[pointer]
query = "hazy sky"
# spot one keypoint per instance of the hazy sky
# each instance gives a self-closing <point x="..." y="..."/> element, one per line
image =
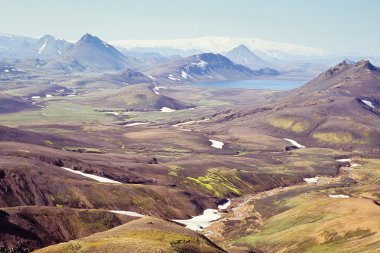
<point x="335" y="25"/>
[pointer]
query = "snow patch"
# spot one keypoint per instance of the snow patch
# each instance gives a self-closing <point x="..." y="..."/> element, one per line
<point x="190" y="122"/>
<point x="136" y="124"/>
<point x="344" y="160"/>
<point x="200" y="63"/>
<point x="184" y="74"/>
<point x="167" y="109"/>
<point x="311" y="180"/>
<point x="113" y="113"/>
<point x="157" y="88"/>
<point x="225" y="205"/>
<point x="36" y="97"/>
<point x="202" y="221"/>
<point x="42" y="48"/>
<point x="171" y="77"/>
<point x="369" y="103"/>
<point x="48" y="95"/>
<point x="294" y="143"/>
<point x="6" y="70"/>
<point x="339" y="196"/>
<point x="97" y="178"/>
<point x="129" y="213"/>
<point x="216" y="144"/>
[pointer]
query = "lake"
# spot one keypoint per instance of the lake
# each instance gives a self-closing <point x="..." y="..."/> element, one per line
<point x="254" y="84"/>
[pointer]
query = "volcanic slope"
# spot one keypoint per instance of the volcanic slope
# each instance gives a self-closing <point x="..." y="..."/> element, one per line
<point x="338" y="109"/>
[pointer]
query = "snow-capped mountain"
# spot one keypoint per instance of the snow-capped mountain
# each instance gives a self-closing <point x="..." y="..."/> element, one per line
<point x="203" y="67"/>
<point x="49" y="47"/>
<point x="263" y="48"/>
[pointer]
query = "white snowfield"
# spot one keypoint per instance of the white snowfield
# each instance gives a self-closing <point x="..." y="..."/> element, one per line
<point x="97" y="178"/>
<point x="278" y="50"/>
<point x="167" y="109"/>
<point x="369" y="103"/>
<point x="339" y="196"/>
<point x="216" y="144"/>
<point x="129" y="213"/>
<point x="294" y="143"/>
<point x="311" y="180"/>
<point x="201" y="221"/>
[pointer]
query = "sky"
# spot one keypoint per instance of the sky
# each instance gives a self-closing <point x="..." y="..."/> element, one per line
<point x="340" y="26"/>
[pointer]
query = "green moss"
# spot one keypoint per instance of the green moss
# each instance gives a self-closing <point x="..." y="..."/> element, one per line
<point x="295" y="125"/>
<point x="205" y="182"/>
<point x="175" y="150"/>
<point x="215" y="182"/>
<point x="339" y="138"/>
<point x="49" y="142"/>
<point x="174" y="170"/>
<point x="72" y="248"/>
<point x="83" y="149"/>
<point x="59" y="205"/>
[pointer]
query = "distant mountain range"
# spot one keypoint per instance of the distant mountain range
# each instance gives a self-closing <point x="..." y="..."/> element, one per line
<point x="203" y="67"/>
<point x="186" y="47"/>
<point x="93" y="54"/>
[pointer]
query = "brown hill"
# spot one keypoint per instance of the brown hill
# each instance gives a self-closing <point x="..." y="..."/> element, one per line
<point x="147" y="234"/>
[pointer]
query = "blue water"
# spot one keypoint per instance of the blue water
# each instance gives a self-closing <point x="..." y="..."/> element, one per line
<point x="255" y="84"/>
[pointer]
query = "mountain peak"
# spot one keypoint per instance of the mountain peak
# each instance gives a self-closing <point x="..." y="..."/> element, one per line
<point x="94" y="41"/>
<point x="93" y="54"/>
<point x="88" y="38"/>
<point x="47" y="37"/>
<point x="365" y="64"/>
<point x="242" y="47"/>
<point x="244" y="56"/>
<point x="336" y="69"/>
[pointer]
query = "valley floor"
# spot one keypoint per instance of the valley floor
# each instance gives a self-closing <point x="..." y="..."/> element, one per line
<point x="65" y="165"/>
